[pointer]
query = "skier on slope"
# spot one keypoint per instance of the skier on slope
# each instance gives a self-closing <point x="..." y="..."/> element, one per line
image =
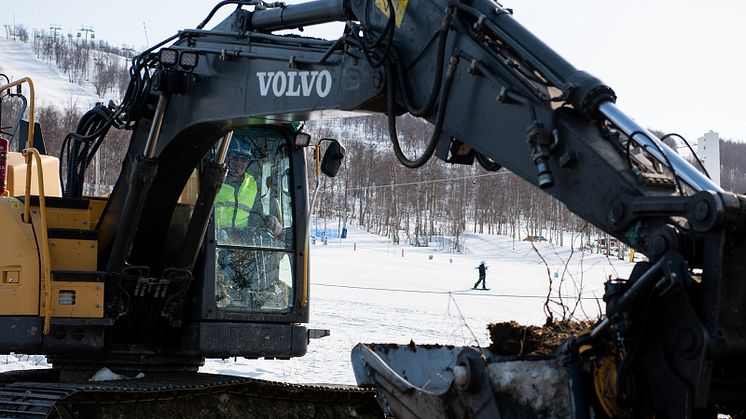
<point x="482" y="275"/>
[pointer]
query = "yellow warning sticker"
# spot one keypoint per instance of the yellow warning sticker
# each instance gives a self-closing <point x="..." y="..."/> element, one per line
<point x="399" y="7"/>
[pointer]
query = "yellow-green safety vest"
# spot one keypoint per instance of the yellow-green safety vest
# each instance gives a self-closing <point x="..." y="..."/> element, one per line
<point x="232" y="206"/>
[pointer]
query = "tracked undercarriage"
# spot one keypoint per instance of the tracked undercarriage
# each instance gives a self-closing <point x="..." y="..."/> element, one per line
<point x="40" y="394"/>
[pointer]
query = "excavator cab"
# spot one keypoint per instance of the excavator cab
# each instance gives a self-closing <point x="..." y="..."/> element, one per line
<point x="253" y="271"/>
<point x="245" y="291"/>
<point x="232" y="279"/>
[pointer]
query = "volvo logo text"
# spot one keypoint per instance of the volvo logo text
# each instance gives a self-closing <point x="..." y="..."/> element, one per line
<point x="295" y="83"/>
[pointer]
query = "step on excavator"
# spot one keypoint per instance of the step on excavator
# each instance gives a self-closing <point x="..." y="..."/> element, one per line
<point x="201" y="248"/>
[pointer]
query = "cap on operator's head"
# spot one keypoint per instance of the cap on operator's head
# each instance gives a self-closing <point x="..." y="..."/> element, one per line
<point x="239" y="147"/>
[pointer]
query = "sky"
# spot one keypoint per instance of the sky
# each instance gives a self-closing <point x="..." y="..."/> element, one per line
<point x="674" y="64"/>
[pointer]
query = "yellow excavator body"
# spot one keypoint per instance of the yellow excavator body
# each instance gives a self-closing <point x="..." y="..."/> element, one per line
<point x="19" y="262"/>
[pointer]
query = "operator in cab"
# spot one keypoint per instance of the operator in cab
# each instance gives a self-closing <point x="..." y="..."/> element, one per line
<point x="252" y="272"/>
<point x="236" y="204"/>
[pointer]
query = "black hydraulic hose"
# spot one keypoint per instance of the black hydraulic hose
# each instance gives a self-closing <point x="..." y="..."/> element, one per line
<point x="389" y="23"/>
<point x="439" y="119"/>
<point x="439" y="64"/>
<point x="386" y="29"/>
<point x="133" y="95"/>
<point x="389" y="44"/>
<point x="82" y="144"/>
<point x="140" y="81"/>
<point x="331" y="50"/>
<point x="487" y="163"/>
<point x="668" y="162"/>
<point x="137" y="93"/>
<point x="388" y="33"/>
<point x="74" y="153"/>
<point x="670" y="166"/>
<point x="217" y="7"/>
<point x="90" y="149"/>
<point x="93" y="126"/>
<point x="691" y="150"/>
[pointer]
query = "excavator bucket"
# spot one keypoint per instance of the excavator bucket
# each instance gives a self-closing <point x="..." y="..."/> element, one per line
<point x="434" y="381"/>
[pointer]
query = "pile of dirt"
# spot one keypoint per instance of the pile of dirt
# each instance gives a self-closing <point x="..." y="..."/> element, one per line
<point x="511" y="338"/>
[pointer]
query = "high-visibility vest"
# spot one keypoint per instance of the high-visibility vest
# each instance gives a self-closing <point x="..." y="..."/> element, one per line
<point x="233" y="205"/>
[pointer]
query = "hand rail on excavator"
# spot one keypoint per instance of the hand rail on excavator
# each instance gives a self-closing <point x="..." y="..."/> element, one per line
<point x="29" y="140"/>
<point x="46" y="278"/>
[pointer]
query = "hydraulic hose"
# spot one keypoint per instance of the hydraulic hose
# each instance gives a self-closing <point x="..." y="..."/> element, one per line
<point x="218" y="6"/>
<point x="437" y="130"/>
<point x="487" y="163"/>
<point x="82" y="145"/>
<point x="439" y="62"/>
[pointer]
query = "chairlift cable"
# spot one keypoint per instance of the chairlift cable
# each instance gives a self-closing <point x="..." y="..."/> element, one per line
<point x="465" y="292"/>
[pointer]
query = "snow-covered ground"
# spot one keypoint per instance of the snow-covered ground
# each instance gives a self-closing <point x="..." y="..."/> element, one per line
<point x="363" y="290"/>
<point x="17" y="60"/>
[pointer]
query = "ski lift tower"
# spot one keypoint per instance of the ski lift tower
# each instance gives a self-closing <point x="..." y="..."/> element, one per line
<point x="708" y="149"/>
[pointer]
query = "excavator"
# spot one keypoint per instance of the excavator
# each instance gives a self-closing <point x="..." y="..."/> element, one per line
<point x="145" y="282"/>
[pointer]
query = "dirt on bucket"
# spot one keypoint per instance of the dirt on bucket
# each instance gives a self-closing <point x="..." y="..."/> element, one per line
<point x="511" y="338"/>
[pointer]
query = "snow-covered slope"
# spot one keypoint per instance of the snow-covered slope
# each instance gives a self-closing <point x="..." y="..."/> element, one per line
<point x="364" y="290"/>
<point x="17" y="60"/>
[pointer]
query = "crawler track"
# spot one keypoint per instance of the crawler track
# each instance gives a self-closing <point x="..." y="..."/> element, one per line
<point x="34" y="394"/>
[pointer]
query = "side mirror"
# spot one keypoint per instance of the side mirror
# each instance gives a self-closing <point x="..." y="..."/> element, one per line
<point x="333" y="157"/>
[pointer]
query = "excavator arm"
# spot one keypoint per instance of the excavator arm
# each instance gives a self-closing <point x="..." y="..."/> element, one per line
<point x="492" y="90"/>
<point x="496" y="94"/>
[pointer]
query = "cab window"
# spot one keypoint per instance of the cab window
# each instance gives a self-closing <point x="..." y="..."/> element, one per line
<point x="254" y="225"/>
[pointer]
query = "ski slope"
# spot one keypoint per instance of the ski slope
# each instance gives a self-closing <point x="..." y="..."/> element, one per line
<point x="363" y="290"/>
<point x="52" y="87"/>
